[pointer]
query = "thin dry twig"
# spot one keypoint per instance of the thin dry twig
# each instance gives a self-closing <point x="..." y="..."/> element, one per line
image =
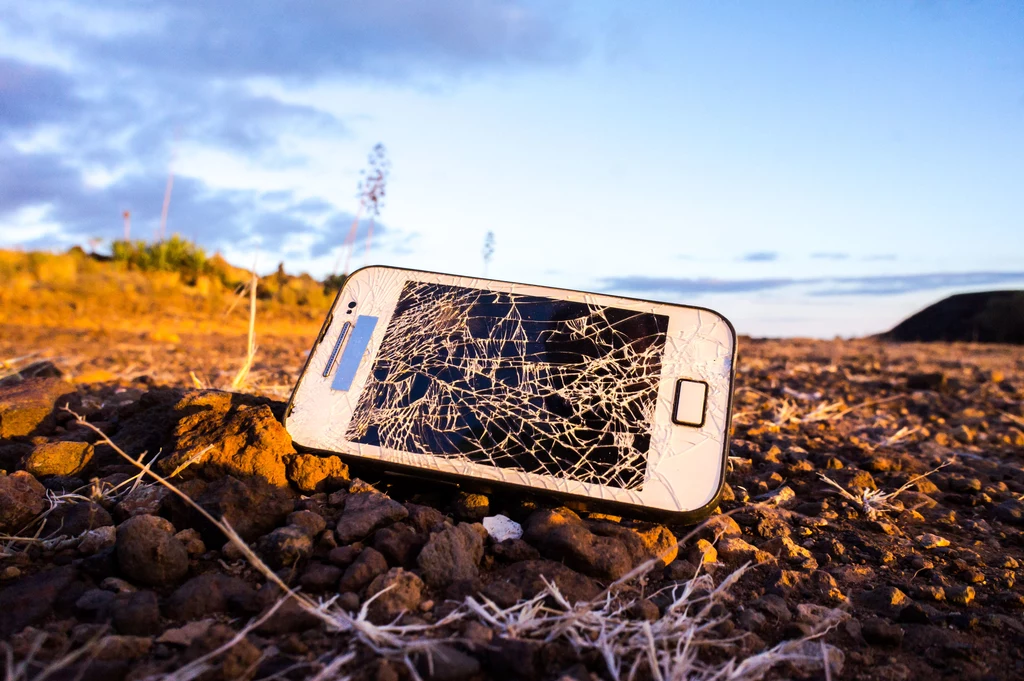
<point x="900" y="434"/>
<point x="867" y="403"/>
<point x="874" y="502"/>
<point x="96" y="492"/>
<point x="201" y="665"/>
<point x="8" y="367"/>
<point x="667" y="648"/>
<point x="69" y="655"/>
<point x="1013" y="417"/>
<point x="243" y="373"/>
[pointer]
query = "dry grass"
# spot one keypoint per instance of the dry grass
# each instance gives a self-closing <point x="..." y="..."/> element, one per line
<point x="873" y="503"/>
<point x="243" y="373"/>
<point x="781" y="411"/>
<point x="70" y="291"/>
<point x="9" y="367"/>
<point x="95" y="491"/>
<point x="203" y="664"/>
<point x="667" y="648"/>
<point x="31" y="669"/>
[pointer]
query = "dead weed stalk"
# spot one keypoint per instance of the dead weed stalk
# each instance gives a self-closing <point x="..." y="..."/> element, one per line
<point x="667" y="648"/>
<point x="874" y="502"/>
<point x="243" y="373"/>
<point x="32" y="669"/>
<point x="95" y="491"/>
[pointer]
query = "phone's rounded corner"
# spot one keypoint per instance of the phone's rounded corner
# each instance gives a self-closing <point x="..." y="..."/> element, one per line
<point x="701" y="514"/>
<point x="734" y="336"/>
<point x="732" y="330"/>
<point x="362" y="272"/>
<point x="694" y="515"/>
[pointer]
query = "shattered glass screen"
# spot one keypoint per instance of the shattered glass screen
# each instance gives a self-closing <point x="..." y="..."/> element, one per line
<point x="521" y="382"/>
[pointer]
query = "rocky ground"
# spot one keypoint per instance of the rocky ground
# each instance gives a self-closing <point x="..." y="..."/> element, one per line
<point x="107" y="574"/>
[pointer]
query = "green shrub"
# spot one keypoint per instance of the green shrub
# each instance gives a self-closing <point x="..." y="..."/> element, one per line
<point x="333" y="284"/>
<point x="171" y="255"/>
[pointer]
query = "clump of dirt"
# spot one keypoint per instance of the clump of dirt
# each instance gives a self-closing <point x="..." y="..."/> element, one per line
<point x="99" y="557"/>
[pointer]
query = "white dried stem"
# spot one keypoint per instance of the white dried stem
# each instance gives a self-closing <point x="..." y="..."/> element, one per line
<point x="874" y="502"/>
<point x="243" y="373"/>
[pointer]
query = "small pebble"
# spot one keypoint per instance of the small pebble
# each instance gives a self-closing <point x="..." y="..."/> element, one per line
<point x="931" y="541"/>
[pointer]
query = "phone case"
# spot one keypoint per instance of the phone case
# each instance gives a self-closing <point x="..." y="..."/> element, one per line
<point x="608" y="403"/>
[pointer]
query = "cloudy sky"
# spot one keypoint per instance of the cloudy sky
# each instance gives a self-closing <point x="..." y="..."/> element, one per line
<point x="806" y="168"/>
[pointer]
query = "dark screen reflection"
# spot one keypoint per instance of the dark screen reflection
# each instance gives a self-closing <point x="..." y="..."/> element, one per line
<point x="522" y="382"/>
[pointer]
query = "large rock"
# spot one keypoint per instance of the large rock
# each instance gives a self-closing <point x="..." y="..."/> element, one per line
<point x="285" y="546"/>
<point x="43" y="368"/>
<point x="529" y="575"/>
<point x="363" y="570"/>
<point x="31" y="599"/>
<point x="423" y="518"/>
<point x="312" y="473"/>
<point x="136" y="612"/>
<point x="658" y="542"/>
<point x="143" y="500"/>
<point x="735" y="552"/>
<point x="452" y="555"/>
<point x="561" y="535"/>
<point x="22" y="498"/>
<point x="400" y="544"/>
<point x="887" y="600"/>
<point x="74" y="519"/>
<point x="59" y="458"/>
<point x="1011" y="512"/>
<point x="120" y="647"/>
<point x="27" y="408"/>
<point x="402" y="593"/>
<point x="253" y="507"/>
<point x="209" y="594"/>
<point x="641" y="544"/>
<point x="146" y="424"/>
<point x="149" y="553"/>
<point x="319" y="577"/>
<point x="364" y="513"/>
<point x="309" y="522"/>
<point x="228" y="434"/>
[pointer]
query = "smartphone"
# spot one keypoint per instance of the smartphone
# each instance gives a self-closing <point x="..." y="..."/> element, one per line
<point x="609" y="403"/>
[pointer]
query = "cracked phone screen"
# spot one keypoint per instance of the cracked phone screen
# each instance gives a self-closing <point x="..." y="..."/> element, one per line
<point x="520" y="382"/>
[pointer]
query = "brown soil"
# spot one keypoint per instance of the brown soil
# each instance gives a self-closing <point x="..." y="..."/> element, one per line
<point x="924" y="583"/>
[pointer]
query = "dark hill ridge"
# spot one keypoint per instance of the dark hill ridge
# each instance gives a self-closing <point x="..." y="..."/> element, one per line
<point x="985" y="317"/>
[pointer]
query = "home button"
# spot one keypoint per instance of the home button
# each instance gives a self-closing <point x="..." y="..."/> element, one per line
<point x="690" y="402"/>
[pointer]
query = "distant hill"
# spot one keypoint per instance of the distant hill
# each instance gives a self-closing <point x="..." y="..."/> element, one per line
<point x="987" y="317"/>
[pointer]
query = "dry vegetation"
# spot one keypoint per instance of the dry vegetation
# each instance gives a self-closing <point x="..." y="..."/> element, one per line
<point x="77" y="291"/>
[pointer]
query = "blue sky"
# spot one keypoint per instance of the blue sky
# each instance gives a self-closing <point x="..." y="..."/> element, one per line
<point x="806" y="168"/>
